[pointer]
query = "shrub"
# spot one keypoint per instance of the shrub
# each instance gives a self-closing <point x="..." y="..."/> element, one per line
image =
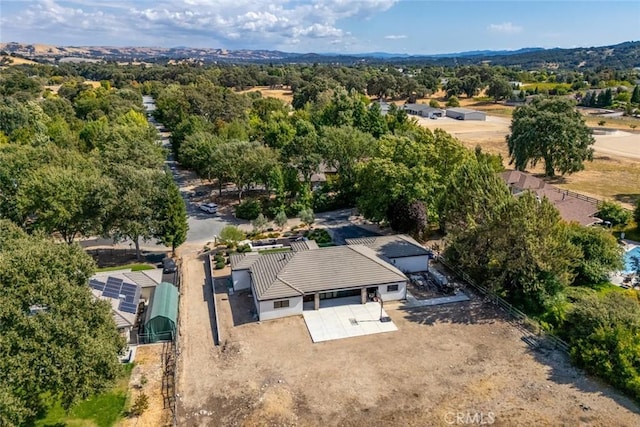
<point x="249" y="209"/>
<point x="231" y="233"/>
<point x="140" y="405"/>
<point x="219" y="265"/>
<point x="614" y="212"/>
<point x="319" y="235"/>
<point x="260" y="223"/>
<point x="453" y="102"/>
<point x="294" y="208"/>
<point x="243" y="248"/>
<point x="433" y="103"/>
<point x="306" y="216"/>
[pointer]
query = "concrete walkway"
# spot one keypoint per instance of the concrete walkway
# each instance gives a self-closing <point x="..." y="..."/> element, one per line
<point x="413" y="302"/>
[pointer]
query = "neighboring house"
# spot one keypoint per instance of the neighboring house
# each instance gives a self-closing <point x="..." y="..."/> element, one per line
<point x="572" y="206"/>
<point x="423" y="110"/>
<point x="402" y="251"/>
<point x="282" y="282"/>
<point x="384" y="106"/>
<point x="319" y="178"/>
<point x="466" y="114"/>
<point x="125" y="290"/>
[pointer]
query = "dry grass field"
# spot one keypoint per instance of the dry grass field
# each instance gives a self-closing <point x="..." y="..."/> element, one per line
<point x="614" y="174"/>
<point x="462" y="359"/>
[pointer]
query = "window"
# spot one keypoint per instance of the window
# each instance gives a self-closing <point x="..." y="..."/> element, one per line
<point x="392" y="288"/>
<point x="281" y="304"/>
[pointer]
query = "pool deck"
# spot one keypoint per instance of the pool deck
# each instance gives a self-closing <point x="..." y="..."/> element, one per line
<point x="618" y="278"/>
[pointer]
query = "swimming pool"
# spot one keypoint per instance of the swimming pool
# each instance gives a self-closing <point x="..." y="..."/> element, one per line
<point x="628" y="259"/>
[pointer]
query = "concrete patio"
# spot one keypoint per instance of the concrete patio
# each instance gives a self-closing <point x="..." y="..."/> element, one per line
<point x="339" y="318"/>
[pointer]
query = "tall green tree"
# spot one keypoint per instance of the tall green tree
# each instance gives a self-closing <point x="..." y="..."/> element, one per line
<point x="499" y="89"/>
<point x="132" y="211"/>
<point x="474" y="195"/>
<point x="524" y="254"/>
<point x="171" y="221"/>
<point x="553" y="131"/>
<point x="55" y="337"/>
<point x="70" y="200"/>
<point x="600" y="254"/>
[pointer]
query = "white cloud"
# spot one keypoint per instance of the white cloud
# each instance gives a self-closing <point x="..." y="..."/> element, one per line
<point x="505" y="28"/>
<point x="395" y="37"/>
<point x="215" y="23"/>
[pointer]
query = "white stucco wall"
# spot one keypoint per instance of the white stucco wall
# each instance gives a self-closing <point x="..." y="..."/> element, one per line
<point x="411" y="264"/>
<point x="401" y="293"/>
<point x="267" y="312"/>
<point x="241" y="279"/>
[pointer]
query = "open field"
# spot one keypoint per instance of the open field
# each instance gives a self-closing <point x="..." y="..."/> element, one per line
<point x="613" y="174"/>
<point x="14" y="60"/>
<point x="463" y="358"/>
<point x="284" y="94"/>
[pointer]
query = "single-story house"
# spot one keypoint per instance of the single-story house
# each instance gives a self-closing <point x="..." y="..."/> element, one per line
<point x="162" y="314"/>
<point x="402" y="251"/>
<point x="466" y="114"/>
<point x="320" y="177"/>
<point x="572" y="207"/>
<point x="423" y="110"/>
<point x="124" y="297"/>
<point x="281" y="283"/>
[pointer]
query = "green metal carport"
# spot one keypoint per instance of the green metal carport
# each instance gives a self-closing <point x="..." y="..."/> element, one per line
<point x="161" y="321"/>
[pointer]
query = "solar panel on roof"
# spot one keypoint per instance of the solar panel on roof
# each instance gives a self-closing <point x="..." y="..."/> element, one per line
<point x="130" y="299"/>
<point x="114" y="280"/>
<point x="128" y="307"/>
<point x="128" y="289"/>
<point x="96" y="284"/>
<point x="111" y="293"/>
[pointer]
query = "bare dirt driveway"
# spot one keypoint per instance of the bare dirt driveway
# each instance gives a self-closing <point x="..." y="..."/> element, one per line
<point x="449" y="365"/>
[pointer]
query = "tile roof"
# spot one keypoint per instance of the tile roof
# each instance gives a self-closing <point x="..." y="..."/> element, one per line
<point x="570" y="206"/>
<point x="396" y="246"/>
<point x="243" y="261"/>
<point x="287" y="274"/>
<point x="304" y="245"/>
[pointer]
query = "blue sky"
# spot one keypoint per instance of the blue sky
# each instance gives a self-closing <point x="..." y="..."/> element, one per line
<point x="345" y="26"/>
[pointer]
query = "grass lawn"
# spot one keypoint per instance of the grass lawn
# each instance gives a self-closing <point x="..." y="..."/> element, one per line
<point x="133" y="267"/>
<point x="631" y="232"/>
<point x="102" y="410"/>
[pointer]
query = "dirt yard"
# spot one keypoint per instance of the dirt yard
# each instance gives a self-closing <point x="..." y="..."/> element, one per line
<point x="444" y="364"/>
<point x="147" y="378"/>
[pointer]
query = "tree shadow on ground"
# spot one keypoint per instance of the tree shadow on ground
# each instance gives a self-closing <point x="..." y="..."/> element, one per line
<point x="114" y="257"/>
<point x="631" y="198"/>
<point x="474" y="311"/>
<point x="564" y="373"/>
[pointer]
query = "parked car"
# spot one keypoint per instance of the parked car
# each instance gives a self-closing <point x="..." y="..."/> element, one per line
<point x="211" y="208"/>
<point x="169" y="265"/>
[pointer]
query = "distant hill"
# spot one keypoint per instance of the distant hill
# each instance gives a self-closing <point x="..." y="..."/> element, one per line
<point x="620" y="56"/>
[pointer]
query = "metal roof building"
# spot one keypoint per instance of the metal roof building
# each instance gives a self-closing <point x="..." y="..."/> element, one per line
<point x="466" y="114"/>
<point x="162" y="314"/>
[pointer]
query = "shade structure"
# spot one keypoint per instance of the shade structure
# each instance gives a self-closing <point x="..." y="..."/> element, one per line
<point x="161" y="322"/>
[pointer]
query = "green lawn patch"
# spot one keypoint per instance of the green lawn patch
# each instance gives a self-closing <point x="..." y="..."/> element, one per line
<point x="133" y="267"/>
<point x="274" y="250"/>
<point x="631" y="232"/>
<point x="102" y="410"/>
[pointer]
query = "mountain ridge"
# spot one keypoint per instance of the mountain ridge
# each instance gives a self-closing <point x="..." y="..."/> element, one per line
<point x="622" y="55"/>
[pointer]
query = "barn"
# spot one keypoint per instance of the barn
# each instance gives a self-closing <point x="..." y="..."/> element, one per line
<point x="466" y="114"/>
<point x="423" y="110"/>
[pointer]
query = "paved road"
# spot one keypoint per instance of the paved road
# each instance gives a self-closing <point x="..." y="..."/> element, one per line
<point x="340" y="226"/>
<point x="202" y="226"/>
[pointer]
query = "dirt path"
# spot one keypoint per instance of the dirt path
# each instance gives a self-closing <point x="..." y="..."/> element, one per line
<point x="197" y="349"/>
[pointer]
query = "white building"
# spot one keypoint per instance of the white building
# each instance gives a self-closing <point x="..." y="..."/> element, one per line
<point x="402" y="251"/>
<point x="282" y="282"/>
